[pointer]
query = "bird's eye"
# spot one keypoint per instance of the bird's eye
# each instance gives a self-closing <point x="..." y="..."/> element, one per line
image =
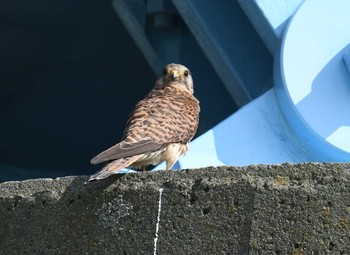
<point x="165" y="71"/>
<point x="186" y="73"/>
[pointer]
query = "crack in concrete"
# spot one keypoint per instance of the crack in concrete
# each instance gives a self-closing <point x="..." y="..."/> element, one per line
<point x="158" y="220"/>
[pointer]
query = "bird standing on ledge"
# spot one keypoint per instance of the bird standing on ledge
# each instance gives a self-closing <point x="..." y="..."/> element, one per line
<point x="160" y="127"/>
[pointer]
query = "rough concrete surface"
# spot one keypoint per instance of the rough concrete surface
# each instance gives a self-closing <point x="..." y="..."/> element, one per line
<point x="260" y="209"/>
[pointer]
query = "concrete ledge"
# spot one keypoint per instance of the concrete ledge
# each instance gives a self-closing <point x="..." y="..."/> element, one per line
<point x="261" y="209"/>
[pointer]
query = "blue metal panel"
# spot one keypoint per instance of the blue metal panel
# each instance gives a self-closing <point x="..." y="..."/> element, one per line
<point x="312" y="81"/>
<point x="270" y="18"/>
<point x="221" y="30"/>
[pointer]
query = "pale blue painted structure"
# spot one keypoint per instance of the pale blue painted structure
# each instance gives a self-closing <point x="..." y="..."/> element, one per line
<point x="312" y="85"/>
<point x="304" y="117"/>
<point x="312" y="81"/>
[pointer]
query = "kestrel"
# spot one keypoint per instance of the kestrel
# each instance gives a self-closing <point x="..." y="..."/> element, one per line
<point x="160" y="127"/>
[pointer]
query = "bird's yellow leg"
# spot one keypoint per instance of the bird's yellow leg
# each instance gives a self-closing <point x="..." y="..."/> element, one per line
<point x="144" y="169"/>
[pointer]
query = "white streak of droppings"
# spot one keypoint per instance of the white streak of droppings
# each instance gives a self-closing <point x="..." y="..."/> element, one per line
<point x="158" y="220"/>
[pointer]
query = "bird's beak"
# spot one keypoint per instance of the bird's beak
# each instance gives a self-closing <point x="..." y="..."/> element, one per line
<point x="174" y="75"/>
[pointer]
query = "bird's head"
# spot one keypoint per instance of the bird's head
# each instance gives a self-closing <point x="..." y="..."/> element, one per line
<point x="177" y="76"/>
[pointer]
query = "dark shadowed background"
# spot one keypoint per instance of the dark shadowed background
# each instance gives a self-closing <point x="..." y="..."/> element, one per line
<point x="69" y="76"/>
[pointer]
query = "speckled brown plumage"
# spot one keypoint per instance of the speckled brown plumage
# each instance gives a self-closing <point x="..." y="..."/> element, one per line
<point x="160" y="127"/>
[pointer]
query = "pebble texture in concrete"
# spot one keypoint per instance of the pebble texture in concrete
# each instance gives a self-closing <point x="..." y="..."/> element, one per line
<point x="260" y="209"/>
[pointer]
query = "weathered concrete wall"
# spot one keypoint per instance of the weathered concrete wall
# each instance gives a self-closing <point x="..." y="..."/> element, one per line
<point x="284" y="209"/>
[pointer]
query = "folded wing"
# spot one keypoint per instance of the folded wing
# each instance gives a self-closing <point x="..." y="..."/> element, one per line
<point x="123" y="150"/>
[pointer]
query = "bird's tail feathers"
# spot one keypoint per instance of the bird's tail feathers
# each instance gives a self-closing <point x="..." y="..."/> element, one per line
<point x="114" y="167"/>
